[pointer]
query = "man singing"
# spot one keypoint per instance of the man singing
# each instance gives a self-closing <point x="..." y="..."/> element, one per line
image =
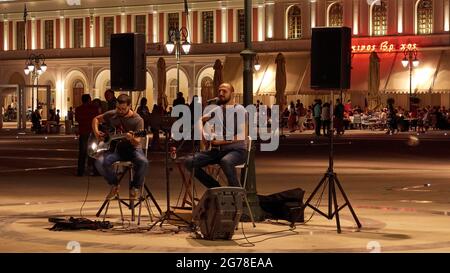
<point x="230" y="151"/>
<point x="123" y="120"/>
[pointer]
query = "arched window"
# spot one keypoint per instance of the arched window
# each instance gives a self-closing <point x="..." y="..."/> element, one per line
<point x="294" y="22"/>
<point x="424" y="17"/>
<point x="78" y="84"/>
<point x="336" y="15"/>
<point x="379" y="18"/>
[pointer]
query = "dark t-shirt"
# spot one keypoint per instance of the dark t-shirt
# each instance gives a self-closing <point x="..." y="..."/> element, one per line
<point x="123" y="124"/>
<point x="84" y="114"/>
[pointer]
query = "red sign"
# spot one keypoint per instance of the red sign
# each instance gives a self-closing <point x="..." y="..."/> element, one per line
<point x="382" y="47"/>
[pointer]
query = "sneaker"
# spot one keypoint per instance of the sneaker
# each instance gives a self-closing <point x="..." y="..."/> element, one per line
<point x="113" y="192"/>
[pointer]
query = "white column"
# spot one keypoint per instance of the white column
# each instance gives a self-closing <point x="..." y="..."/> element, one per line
<point x="199" y="27"/>
<point x="313" y="14"/>
<point x="355" y="17"/>
<point x="123" y="23"/>
<point x="84" y="34"/>
<point x="261" y="18"/>
<point x="269" y="20"/>
<point x="447" y="15"/>
<point x="235" y="25"/>
<point x="400" y="16"/>
<point x="6" y="35"/>
<point x="224" y="25"/>
<point x="14" y="46"/>
<point x="155" y="27"/>
<point x="92" y="32"/>
<point x="214" y="27"/>
<point x="190" y="26"/>
<point x="164" y="27"/>
<point x="62" y="25"/>
<point x="33" y="33"/>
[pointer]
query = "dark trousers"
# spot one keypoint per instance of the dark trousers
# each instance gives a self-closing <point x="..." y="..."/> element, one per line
<point x="227" y="160"/>
<point x="326" y="124"/>
<point x="317" y="125"/>
<point x="140" y="166"/>
<point x="82" y="154"/>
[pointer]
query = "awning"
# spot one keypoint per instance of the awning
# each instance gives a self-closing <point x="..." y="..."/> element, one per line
<point x="432" y="75"/>
<point x="264" y="79"/>
<point x="232" y="72"/>
<point x="423" y="76"/>
<point x="442" y="81"/>
<point x="297" y="65"/>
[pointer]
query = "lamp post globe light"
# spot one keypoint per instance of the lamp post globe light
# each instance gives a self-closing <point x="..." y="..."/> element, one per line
<point x="35" y="66"/>
<point x="410" y="61"/>
<point x="178" y="42"/>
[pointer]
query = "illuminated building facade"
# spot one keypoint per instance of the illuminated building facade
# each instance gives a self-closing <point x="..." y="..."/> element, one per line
<point x="75" y="40"/>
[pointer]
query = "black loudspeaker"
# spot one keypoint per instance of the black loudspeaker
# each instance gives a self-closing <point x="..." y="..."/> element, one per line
<point x="331" y="58"/>
<point x="128" y="62"/>
<point x="218" y="212"/>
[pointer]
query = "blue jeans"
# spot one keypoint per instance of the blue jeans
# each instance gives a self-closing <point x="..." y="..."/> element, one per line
<point x="140" y="162"/>
<point x="227" y="159"/>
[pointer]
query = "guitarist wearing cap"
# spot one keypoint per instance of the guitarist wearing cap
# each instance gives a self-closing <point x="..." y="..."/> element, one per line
<point x="124" y="120"/>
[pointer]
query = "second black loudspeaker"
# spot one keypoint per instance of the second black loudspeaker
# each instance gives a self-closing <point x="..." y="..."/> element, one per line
<point x="128" y="69"/>
<point x="331" y="58"/>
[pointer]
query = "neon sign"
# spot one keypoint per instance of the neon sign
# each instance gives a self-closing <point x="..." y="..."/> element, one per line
<point x="382" y="47"/>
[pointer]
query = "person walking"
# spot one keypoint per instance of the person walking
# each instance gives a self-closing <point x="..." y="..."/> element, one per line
<point x="144" y="112"/>
<point x="292" y="120"/>
<point x="326" y="119"/>
<point x="70" y="115"/>
<point x="84" y="114"/>
<point x="317" y="114"/>
<point x="301" y="113"/>
<point x="339" y="117"/>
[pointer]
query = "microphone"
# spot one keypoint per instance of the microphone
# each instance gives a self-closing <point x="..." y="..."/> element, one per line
<point x="213" y="101"/>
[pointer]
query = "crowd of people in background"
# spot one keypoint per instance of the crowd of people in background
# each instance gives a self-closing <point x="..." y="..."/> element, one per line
<point x="345" y="116"/>
<point x="317" y="117"/>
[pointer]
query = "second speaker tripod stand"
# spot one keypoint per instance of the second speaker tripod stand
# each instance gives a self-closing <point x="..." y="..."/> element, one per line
<point x="330" y="180"/>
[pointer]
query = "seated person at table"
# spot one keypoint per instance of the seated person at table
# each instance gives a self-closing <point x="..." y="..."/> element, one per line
<point x="227" y="153"/>
<point x="124" y="120"/>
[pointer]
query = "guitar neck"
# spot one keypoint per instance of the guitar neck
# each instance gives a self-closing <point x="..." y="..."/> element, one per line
<point x="120" y="136"/>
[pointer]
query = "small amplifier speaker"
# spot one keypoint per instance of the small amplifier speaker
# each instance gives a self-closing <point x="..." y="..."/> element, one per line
<point x="331" y="58"/>
<point x="218" y="212"/>
<point x="128" y="62"/>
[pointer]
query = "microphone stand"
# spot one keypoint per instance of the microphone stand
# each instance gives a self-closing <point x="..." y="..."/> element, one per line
<point x="169" y="212"/>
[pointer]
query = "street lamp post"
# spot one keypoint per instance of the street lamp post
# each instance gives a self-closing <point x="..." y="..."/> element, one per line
<point x="178" y="42"/>
<point x="35" y="66"/>
<point x="410" y="60"/>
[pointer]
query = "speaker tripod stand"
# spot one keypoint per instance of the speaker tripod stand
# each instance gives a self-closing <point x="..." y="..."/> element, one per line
<point x="330" y="180"/>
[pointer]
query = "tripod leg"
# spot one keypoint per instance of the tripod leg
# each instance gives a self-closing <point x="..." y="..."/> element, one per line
<point x="330" y="197"/>
<point x="149" y="209"/>
<point x="106" y="211"/>
<point x="314" y="192"/>
<point x="102" y="207"/>
<point x="140" y="209"/>
<point x="348" y="203"/>
<point x="149" y="194"/>
<point x="120" y="208"/>
<point x="336" y="208"/>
